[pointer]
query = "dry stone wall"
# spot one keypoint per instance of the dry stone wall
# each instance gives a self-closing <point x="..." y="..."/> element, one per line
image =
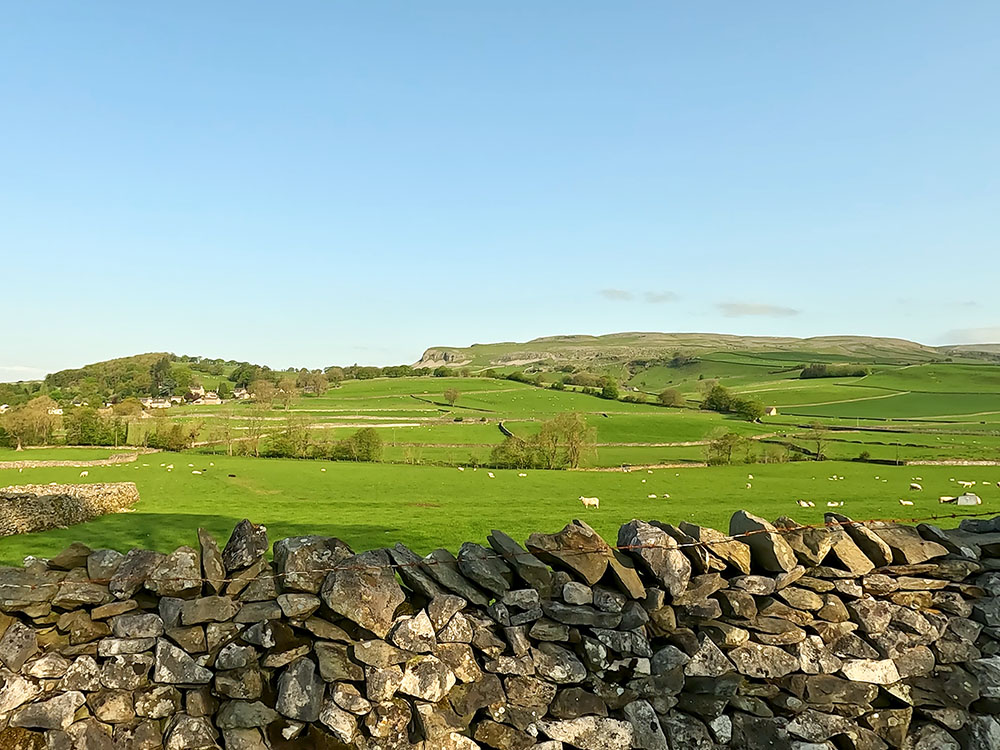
<point x="117" y="458"/>
<point x="774" y="637"/>
<point x="36" y="507"/>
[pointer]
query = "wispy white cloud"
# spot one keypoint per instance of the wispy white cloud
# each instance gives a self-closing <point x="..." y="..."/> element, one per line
<point x="748" y="309"/>
<point x="626" y="295"/>
<point x="659" y="298"/>
<point x="617" y="295"/>
<point x="985" y="335"/>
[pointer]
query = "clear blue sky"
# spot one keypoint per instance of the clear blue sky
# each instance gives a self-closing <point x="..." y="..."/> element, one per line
<point x="311" y="183"/>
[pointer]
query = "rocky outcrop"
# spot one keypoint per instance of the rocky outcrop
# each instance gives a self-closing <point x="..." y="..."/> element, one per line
<point x="864" y="636"/>
<point x="36" y="507"/>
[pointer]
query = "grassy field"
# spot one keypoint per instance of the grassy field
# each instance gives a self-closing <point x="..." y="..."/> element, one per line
<point x="424" y="506"/>
<point x="899" y="412"/>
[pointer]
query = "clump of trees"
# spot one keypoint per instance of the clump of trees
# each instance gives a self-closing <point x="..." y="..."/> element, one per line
<point x="720" y="399"/>
<point x="31" y="423"/>
<point x="295" y="440"/>
<point x="821" y="370"/>
<point x="562" y="442"/>
<point x="726" y="447"/>
<point x="173" y="436"/>
<point x="86" y="426"/>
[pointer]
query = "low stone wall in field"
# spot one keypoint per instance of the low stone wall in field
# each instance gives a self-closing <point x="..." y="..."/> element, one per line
<point x="117" y="458"/>
<point x="36" y="507"/>
<point x="851" y="636"/>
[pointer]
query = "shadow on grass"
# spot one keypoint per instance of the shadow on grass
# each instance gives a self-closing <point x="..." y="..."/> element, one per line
<point x="165" y="532"/>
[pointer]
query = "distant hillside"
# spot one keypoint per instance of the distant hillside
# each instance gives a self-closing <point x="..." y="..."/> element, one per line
<point x="618" y="348"/>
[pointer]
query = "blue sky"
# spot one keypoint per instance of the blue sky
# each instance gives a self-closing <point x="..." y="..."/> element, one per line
<point x="313" y="183"/>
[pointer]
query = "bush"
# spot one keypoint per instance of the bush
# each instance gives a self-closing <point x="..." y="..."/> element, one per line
<point x="670" y="397"/>
<point x="817" y="370"/>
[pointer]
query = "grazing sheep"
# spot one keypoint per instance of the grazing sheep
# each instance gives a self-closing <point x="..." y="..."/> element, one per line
<point x="915" y="486"/>
<point x="522" y="474"/>
<point x="802" y="503"/>
<point x="490" y="474"/>
<point x="84" y="473"/>
<point x="812" y="504"/>
<point x="649" y="471"/>
<point x="196" y="472"/>
<point x="665" y="496"/>
<point x="832" y="504"/>
<point x="749" y="476"/>
<point x="590" y="502"/>
<point x="322" y="469"/>
<point x="461" y="468"/>
<point x="651" y="497"/>
<point x="947" y="499"/>
<point x="749" y="485"/>
<point x="905" y="502"/>
<point x="232" y="475"/>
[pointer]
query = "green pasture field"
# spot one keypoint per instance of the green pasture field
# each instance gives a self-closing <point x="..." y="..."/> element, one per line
<point x="371" y="505"/>
<point x="938" y="378"/>
<point x="811" y="391"/>
<point x="907" y="405"/>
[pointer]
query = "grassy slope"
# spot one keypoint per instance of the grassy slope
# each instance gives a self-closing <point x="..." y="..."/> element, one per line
<point x="371" y="505"/>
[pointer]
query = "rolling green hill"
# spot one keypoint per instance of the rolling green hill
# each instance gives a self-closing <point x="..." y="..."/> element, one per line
<point x="619" y="348"/>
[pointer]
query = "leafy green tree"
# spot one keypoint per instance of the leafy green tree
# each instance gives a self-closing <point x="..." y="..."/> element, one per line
<point x="718" y="398"/>
<point x="441" y="372"/>
<point x="224" y="389"/>
<point x="32" y="423"/>
<point x="609" y="388"/>
<point x="725" y="448"/>
<point x="287" y="392"/>
<point x="670" y="397"/>
<point x="451" y="396"/>
<point x="263" y="392"/>
<point x="747" y="408"/>
<point x="160" y="377"/>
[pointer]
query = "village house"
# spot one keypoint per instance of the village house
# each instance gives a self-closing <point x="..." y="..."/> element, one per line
<point x="241" y="394"/>
<point x="155" y="403"/>
<point x="197" y="390"/>
<point x="177" y="399"/>
<point x="771" y="411"/>
<point x="210" y="398"/>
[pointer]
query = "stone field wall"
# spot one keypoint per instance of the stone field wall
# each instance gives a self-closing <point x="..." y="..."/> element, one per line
<point x="36" y="507"/>
<point x="849" y="636"/>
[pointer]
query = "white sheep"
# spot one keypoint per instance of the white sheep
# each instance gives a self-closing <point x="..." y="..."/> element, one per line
<point x="490" y="474"/>
<point x="651" y="497"/>
<point x="196" y="472"/>
<point x="832" y="504"/>
<point x="461" y="468"/>
<point x="749" y="485"/>
<point x="522" y="474"/>
<point x="749" y="476"/>
<point x="84" y="473"/>
<point x="802" y="503"/>
<point x="915" y="486"/>
<point x="905" y="502"/>
<point x="590" y="502"/>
